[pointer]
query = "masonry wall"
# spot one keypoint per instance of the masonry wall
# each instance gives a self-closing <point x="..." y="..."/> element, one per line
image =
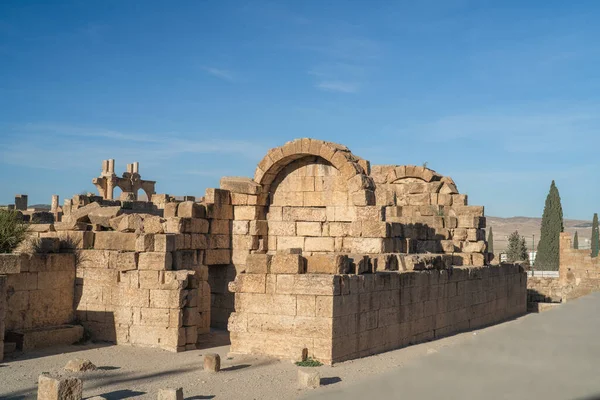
<point x="39" y="290"/>
<point x="2" y="313"/>
<point x="144" y="290"/>
<point x="579" y="273"/>
<point x="341" y="317"/>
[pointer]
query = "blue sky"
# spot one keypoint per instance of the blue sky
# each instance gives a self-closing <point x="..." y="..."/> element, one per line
<point x="501" y="95"/>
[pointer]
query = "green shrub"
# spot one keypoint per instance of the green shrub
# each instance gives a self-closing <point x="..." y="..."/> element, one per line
<point x="12" y="230"/>
<point x="309" y="363"/>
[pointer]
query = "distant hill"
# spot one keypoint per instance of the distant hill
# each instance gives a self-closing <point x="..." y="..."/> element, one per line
<point x="529" y="227"/>
<point x="44" y="206"/>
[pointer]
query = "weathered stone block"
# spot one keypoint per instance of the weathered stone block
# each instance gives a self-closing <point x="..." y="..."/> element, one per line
<point x="59" y="389"/>
<point x="324" y="244"/>
<point x="309" y="378"/>
<point x="155" y="261"/>
<point x="258" y="263"/>
<point x="287" y="264"/>
<point x="190" y="209"/>
<point x="115" y="241"/>
<point x="170" y="394"/>
<point x="327" y="264"/>
<point x="212" y="362"/>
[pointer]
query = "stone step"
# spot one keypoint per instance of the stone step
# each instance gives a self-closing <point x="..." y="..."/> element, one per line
<point x="37" y="338"/>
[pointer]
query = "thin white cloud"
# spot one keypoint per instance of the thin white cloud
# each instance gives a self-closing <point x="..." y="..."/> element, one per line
<point x="220" y="73"/>
<point x="75" y="147"/>
<point x="338" y="86"/>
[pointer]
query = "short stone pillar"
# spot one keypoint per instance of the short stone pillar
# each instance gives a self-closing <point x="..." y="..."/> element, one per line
<point x="212" y="362"/>
<point x="170" y="394"/>
<point x="309" y="378"/>
<point x="59" y="389"/>
<point x="54" y="204"/>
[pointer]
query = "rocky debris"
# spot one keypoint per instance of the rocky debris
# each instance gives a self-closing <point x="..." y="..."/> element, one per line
<point x="80" y="365"/>
<point x="102" y="216"/>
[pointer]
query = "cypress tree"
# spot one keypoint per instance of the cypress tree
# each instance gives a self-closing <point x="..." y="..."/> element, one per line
<point x="491" y="241"/>
<point x="595" y="236"/>
<point x="576" y="241"/>
<point x="552" y="225"/>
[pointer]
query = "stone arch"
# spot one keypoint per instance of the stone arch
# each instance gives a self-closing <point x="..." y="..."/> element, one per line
<point x="354" y="169"/>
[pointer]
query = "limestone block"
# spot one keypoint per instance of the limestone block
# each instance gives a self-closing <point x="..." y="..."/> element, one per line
<point x="219" y="211"/>
<point x="164" y="242"/>
<point x="190" y="209"/>
<point x="81" y="214"/>
<point x="170" y="394"/>
<point x="315" y="214"/>
<point x="197" y="225"/>
<point x="155" y="261"/>
<point x="185" y="259"/>
<point x="366" y="245"/>
<point x="341" y="214"/>
<point x="219" y="241"/>
<point x="59" y="389"/>
<point x="308" y="228"/>
<point x="258" y="263"/>
<point x="144" y="242"/>
<point x="217" y="256"/>
<point x="259" y="227"/>
<point x="102" y="215"/>
<point x="217" y="196"/>
<point x="474" y="247"/>
<point x="170" y="210"/>
<point x="212" y="362"/>
<point x="327" y="264"/>
<point x="459" y="199"/>
<point x="115" y="241"/>
<point x="130" y="223"/>
<point x="374" y="229"/>
<point x="222" y="227"/>
<point x="318" y="244"/>
<point x="282" y="228"/>
<point x="275" y="213"/>
<point x="239" y="227"/>
<point x="289" y="242"/>
<point x="198" y="241"/>
<point x="363" y="198"/>
<point x="174" y="225"/>
<point x="309" y="378"/>
<point x="478" y="259"/>
<point x="249" y="283"/>
<point x="153" y="224"/>
<point x="161" y="298"/>
<point x="287" y="264"/>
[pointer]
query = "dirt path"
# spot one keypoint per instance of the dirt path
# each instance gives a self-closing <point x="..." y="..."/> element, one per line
<point x="129" y="372"/>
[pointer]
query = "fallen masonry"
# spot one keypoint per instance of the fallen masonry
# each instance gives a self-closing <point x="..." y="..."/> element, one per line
<point x="319" y="255"/>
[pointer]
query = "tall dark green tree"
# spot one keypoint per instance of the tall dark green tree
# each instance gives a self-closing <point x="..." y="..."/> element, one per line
<point x="517" y="249"/>
<point x="576" y="241"/>
<point x="491" y="241"/>
<point x="595" y="236"/>
<point x="552" y="225"/>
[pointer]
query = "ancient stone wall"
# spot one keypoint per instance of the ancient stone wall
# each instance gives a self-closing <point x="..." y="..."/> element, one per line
<point x="39" y="290"/>
<point x="340" y="317"/>
<point x="3" y="312"/>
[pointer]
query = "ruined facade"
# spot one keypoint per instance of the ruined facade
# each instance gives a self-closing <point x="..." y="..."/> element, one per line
<point x="578" y="275"/>
<point x="318" y="251"/>
<point x="130" y="183"/>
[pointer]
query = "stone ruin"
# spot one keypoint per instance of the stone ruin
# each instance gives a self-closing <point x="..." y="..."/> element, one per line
<point x="130" y="183"/>
<point x="320" y="254"/>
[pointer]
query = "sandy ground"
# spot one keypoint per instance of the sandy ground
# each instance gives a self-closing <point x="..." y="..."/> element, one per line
<point x="129" y="372"/>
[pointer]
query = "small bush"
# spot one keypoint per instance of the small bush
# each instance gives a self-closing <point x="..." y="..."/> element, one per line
<point x="309" y="363"/>
<point x="12" y="230"/>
